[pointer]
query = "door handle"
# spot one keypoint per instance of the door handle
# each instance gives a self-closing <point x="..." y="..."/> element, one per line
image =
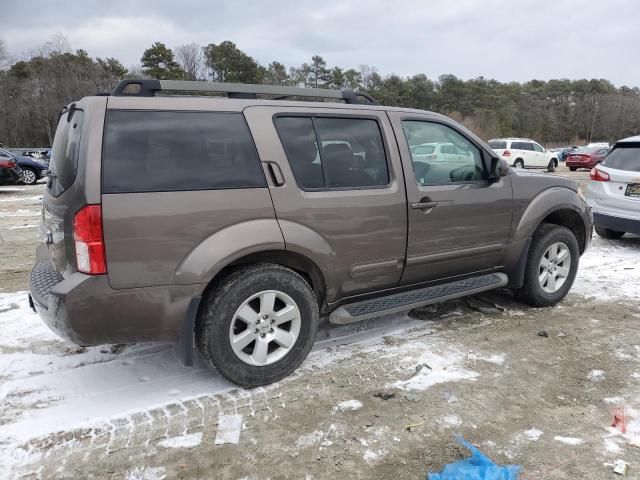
<point x="275" y="173"/>
<point x="424" y="205"/>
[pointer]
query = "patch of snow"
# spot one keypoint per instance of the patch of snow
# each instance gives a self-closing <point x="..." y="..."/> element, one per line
<point x="533" y="434"/>
<point x="146" y="473"/>
<point x="18" y="227"/>
<point x="451" y="420"/>
<point x="348" y="405"/>
<point x="604" y="273"/>
<point x="568" y="440"/>
<point x="372" y="456"/>
<point x="447" y="367"/>
<point x="613" y="400"/>
<point x="596" y="375"/>
<point x="183" y="441"/>
<point x="309" y="439"/>
<point x="611" y="446"/>
<point x="21" y="212"/>
<point x="229" y="428"/>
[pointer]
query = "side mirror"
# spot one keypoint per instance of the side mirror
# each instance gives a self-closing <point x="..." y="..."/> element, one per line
<point x="499" y="168"/>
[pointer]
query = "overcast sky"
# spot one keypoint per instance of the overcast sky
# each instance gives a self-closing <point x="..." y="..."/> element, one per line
<point x="502" y="39"/>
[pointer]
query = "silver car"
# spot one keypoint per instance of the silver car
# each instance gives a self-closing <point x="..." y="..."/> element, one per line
<point x="614" y="190"/>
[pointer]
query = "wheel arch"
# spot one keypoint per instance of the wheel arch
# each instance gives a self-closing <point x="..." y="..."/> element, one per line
<point x="297" y="262"/>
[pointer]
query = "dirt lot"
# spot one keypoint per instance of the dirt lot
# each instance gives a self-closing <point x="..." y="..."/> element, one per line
<point x="380" y="403"/>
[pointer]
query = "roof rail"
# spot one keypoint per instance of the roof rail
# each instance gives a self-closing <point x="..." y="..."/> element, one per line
<point x="148" y="88"/>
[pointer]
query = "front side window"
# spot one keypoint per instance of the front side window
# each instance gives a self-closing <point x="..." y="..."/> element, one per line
<point x="537" y="147"/>
<point x="454" y="158"/>
<point x="334" y="152"/>
<point x="155" y="151"/>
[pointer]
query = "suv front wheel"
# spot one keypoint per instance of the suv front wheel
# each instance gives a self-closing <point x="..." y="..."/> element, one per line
<point x="551" y="266"/>
<point x="258" y="325"/>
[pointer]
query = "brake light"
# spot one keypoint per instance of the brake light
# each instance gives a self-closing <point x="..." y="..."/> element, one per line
<point x="506" y="153"/>
<point x="87" y="233"/>
<point x="598" y="175"/>
<point x="8" y="164"/>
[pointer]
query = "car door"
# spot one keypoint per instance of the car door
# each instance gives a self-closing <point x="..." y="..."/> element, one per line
<point x="539" y="156"/>
<point x="459" y="221"/>
<point x="336" y="182"/>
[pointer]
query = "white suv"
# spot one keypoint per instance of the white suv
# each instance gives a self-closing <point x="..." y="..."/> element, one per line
<point x="614" y="191"/>
<point x="524" y="153"/>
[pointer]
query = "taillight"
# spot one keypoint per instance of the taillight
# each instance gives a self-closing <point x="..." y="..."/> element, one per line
<point x="506" y="153"/>
<point x="598" y="175"/>
<point x="8" y="164"/>
<point x="87" y="233"/>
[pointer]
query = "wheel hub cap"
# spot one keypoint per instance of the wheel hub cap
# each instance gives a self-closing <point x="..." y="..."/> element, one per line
<point x="554" y="268"/>
<point x="265" y="328"/>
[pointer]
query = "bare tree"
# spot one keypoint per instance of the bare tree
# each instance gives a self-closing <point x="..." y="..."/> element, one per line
<point x="4" y="56"/>
<point x="191" y="59"/>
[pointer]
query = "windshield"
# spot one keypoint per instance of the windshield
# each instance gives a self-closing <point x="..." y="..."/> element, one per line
<point x="624" y="157"/>
<point x="586" y="150"/>
<point x="6" y="153"/>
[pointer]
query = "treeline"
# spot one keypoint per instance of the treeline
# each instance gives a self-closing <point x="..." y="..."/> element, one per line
<point x="554" y="112"/>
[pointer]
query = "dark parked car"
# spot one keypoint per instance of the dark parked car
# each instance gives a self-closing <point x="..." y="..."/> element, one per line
<point x="234" y="223"/>
<point x="585" y="157"/>
<point x="32" y="169"/>
<point x="10" y="172"/>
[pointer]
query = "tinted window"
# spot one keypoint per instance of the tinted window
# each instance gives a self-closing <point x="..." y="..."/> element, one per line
<point x="456" y="159"/>
<point x="498" y="145"/>
<point x="527" y="146"/>
<point x="624" y="157"/>
<point x="537" y="147"/>
<point x="64" y="152"/>
<point x="164" y="151"/>
<point x="334" y="152"/>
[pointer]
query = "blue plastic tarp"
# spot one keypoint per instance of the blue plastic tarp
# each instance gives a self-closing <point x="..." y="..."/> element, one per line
<point x="475" y="467"/>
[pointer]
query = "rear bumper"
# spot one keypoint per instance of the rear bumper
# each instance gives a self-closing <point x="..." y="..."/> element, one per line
<point x="577" y="164"/>
<point x="618" y="224"/>
<point x="85" y="310"/>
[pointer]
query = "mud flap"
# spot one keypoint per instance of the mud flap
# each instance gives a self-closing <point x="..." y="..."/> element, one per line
<point x="185" y="347"/>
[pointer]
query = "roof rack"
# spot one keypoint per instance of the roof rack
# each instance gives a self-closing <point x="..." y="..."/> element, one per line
<point x="149" y="88"/>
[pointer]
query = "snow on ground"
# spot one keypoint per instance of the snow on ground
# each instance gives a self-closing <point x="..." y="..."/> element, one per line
<point x="610" y="269"/>
<point x="568" y="440"/>
<point x="183" y="441"/>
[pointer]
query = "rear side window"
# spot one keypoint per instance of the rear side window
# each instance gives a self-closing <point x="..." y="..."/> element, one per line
<point x="64" y="152"/>
<point x="334" y="152"/>
<point x="624" y="157"/>
<point x="498" y="145"/>
<point x="152" y="151"/>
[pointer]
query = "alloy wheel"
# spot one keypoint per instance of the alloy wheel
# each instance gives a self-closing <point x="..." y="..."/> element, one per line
<point x="554" y="268"/>
<point x="265" y="328"/>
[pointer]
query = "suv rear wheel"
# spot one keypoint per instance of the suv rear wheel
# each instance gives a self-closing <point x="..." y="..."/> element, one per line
<point x="551" y="266"/>
<point x="608" y="234"/>
<point x="519" y="163"/>
<point x="258" y="325"/>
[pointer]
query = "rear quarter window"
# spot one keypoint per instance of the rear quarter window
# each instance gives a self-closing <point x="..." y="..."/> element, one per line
<point x="156" y="151"/>
<point x="64" y="152"/>
<point x="624" y="157"/>
<point x="498" y="145"/>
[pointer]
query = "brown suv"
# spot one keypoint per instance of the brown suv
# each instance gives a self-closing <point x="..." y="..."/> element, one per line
<point x="236" y="222"/>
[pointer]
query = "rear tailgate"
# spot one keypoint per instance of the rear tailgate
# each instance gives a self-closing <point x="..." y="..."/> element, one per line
<point x="66" y="190"/>
<point x="622" y="191"/>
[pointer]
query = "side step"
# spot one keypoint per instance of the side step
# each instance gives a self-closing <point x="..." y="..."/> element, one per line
<point x="354" y="312"/>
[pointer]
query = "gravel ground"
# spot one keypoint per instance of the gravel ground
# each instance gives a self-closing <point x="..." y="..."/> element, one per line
<point x="377" y="404"/>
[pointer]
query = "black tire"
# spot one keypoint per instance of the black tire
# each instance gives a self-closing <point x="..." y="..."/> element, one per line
<point x="546" y="235"/>
<point x="519" y="163"/>
<point x="552" y="166"/>
<point x="608" y="234"/>
<point x="221" y="303"/>
<point x="573" y="169"/>
<point x="32" y="174"/>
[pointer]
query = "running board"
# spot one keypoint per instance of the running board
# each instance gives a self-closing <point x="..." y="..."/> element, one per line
<point x="354" y="312"/>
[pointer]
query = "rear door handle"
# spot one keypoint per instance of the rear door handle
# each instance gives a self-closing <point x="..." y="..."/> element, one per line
<point x="275" y="173"/>
<point x="424" y="205"/>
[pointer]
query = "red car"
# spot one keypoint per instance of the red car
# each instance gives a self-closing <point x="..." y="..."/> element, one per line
<point x="585" y="157"/>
